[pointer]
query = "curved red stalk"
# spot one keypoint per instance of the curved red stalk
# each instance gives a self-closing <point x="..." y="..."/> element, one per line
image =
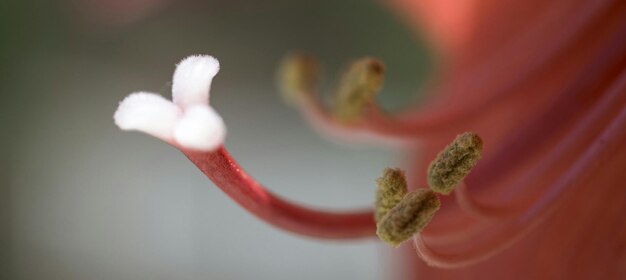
<point x="222" y="169"/>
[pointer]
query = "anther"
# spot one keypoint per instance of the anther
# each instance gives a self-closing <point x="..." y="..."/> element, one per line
<point x="408" y="217"/>
<point x="391" y="188"/>
<point x="454" y="163"/>
<point x="298" y="74"/>
<point x="357" y="89"/>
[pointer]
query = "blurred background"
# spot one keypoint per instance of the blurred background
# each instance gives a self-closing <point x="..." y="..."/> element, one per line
<point x="79" y="199"/>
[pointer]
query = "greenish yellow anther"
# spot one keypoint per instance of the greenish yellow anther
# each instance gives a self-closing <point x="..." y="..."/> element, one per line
<point x="298" y="74"/>
<point x="391" y="188"/>
<point x="408" y="217"/>
<point x="357" y="89"/>
<point x="454" y="163"/>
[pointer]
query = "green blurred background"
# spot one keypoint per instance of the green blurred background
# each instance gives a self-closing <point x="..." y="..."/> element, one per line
<point x="80" y="199"/>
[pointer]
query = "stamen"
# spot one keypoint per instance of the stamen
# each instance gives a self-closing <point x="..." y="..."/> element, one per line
<point x="392" y="187"/>
<point x="296" y="78"/>
<point x="357" y="89"/>
<point x="408" y="217"/>
<point x="298" y="74"/>
<point x="604" y="149"/>
<point x="454" y="163"/>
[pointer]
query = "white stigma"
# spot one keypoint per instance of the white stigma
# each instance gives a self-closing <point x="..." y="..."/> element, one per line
<point x="201" y="128"/>
<point x="192" y="80"/>
<point x="189" y="121"/>
<point x="149" y="113"/>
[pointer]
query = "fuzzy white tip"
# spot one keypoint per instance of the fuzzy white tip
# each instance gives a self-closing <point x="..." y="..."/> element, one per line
<point x="192" y="80"/>
<point x="149" y="113"/>
<point x="201" y="128"/>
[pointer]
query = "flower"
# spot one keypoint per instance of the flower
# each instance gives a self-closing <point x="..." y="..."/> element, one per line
<point x="546" y="95"/>
<point x="188" y="121"/>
